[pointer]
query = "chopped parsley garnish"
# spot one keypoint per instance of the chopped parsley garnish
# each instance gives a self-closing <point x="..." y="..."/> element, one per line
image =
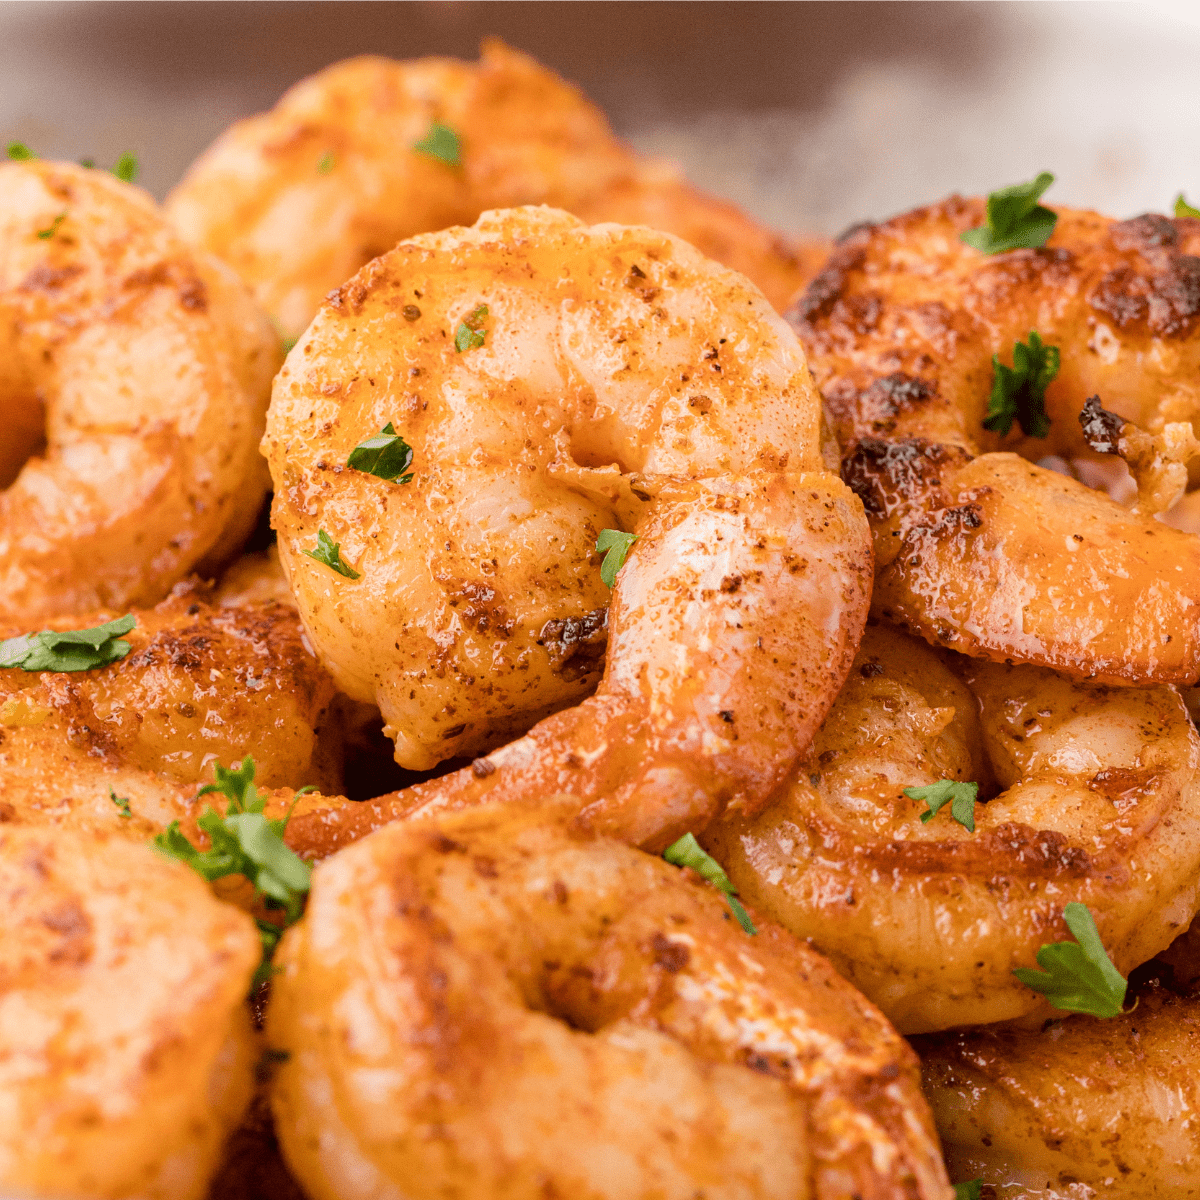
<point x="70" y="650"/>
<point x="122" y="804"/>
<point x="687" y="852"/>
<point x="46" y="234"/>
<point x="87" y="162"/>
<point x="329" y="552"/>
<point x="469" y="336"/>
<point x="1019" y="391"/>
<point x="245" y="842"/>
<point x="1015" y="219"/>
<point x="126" y="169"/>
<point x="326" y="163"/>
<point x="441" y="142"/>
<point x="969" y="1191"/>
<point x="386" y="455"/>
<point x="1077" y="976"/>
<point x="19" y="152"/>
<point x="289" y="344"/>
<point x="1184" y="209"/>
<point x="960" y="797"/>
<point x="615" y="546"/>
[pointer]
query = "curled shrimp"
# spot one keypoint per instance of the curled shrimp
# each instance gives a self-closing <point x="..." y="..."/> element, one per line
<point x="298" y="199"/>
<point x="977" y="548"/>
<point x="492" y="1003"/>
<point x="140" y="370"/>
<point x="1094" y="798"/>
<point x="622" y="381"/>
<point x="126" y="1051"/>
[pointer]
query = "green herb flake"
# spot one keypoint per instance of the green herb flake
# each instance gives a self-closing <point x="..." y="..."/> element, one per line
<point x="469" y="335"/>
<point x="386" y="455"/>
<point x="1019" y="391"/>
<point x="615" y="547"/>
<point x="329" y="552"/>
<point x="1015" y="219"/>
<point x="1184" y="209"/>
<point x="1077" y="976"/>
<point x="442" y="143"/>
<point x="46" y="234"/>
<point x="69" y="650"/>
<point x="327" y="162"/>
<point x="126" y="169"/>
<point x="122" y="804"/>
<point x="87" y="162"/>
<point x="687" y="852"/>
<point x="19" y="152"/>
<point x="289" y="344"/>
<point x="960" y="797"/>
<point x="969" y="1191"/>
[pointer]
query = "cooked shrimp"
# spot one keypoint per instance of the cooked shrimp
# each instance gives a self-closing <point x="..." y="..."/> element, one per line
<point x="141" y="370"/>
<point x="977" y="549"/>
<point x="298" y="199"/>
<point x="126" y="1050"/>
<point x="199" y="685"/>
<point x="624" y="381"/>
<point x="490" y="1004"/>
<point x="253" y="579"/>
<point x="1095" y="798"/>
<point x="1084" y="1108"/>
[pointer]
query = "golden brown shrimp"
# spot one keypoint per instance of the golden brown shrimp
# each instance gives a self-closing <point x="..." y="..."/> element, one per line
<point x="253" y="579"/>
<point x="298" y="199"/>
<point x="623" y="381"/>
<point x="1094" y="797"/>
<point x="139" y="370"/>
<point x="126" y="1051"/>
<point x="1083" y="1109"/>
<point x="976" y="548"/>
<point x="491" y="1004"/>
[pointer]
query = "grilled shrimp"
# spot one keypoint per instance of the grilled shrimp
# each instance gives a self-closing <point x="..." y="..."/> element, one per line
<point x="491" y="1004"/>
<point x="298" y="199"/>
<point x="618" y="380"/>
<point x="134" y="377"/>
<point x="126" y="1051"/>
<point x="1094" y="797"/>
<point x="978" y="549"/>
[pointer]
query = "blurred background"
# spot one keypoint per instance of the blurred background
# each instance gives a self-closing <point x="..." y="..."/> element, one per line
<point x="810" y="115"/>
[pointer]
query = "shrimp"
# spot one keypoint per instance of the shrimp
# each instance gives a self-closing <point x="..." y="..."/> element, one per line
<point x="252" y="579"/>
<point x="623" y="381"/>
<point x="126" y="1051"/>
<point x="492" y="1004"/>
<point x="298" y="199"/>
<point x="140" y="370"/>
<point x="1094" y="797"/>
<point x="978" y="549"/>
<point x="1081" y="1108"/>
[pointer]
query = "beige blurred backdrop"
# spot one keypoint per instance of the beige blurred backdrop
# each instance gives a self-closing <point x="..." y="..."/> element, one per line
<point x="811" y="115"/>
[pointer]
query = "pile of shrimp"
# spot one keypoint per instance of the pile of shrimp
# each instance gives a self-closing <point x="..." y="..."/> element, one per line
<point x="666" y="690"/>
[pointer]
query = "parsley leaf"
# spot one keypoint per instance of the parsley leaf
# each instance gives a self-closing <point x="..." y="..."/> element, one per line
<point x="19" y="152"/>
<point x="1015" y="219"/>
<point x="468" y="336"/>
<point x="329" y="552"/>
<point x="289" y="344"/>
<point x="326" y="163"/>
<point x="46" y="234"/>
<point x="122" y="804"/>
<point x="126" y="169"/>
<point x="969" y="1191"/>
<point x="441" y="142"/>
<point x="617" y="545"/>
<point x="1184" y="209"/>
<point x="960" y="797"/>
<point x="69" y="650"/>
<point x="687" y="852"/>
<point x="1077" y="976"/>
<point x="386" y="455"/>
<point x="1019" y="391"/>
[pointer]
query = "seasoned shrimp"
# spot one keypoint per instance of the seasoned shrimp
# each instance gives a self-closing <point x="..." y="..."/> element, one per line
<point x="1095" y="798"/>
<point x="138" y="371"/>
<point x="126" y="1051"/>
<point x="298" y="199"/>
<point x="492" y="1005"/>
<point x="623" y="381"/>
<point x="1083" y="1109"/>
<point x="976" y="548"/>
<point x="253" y="579"/>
